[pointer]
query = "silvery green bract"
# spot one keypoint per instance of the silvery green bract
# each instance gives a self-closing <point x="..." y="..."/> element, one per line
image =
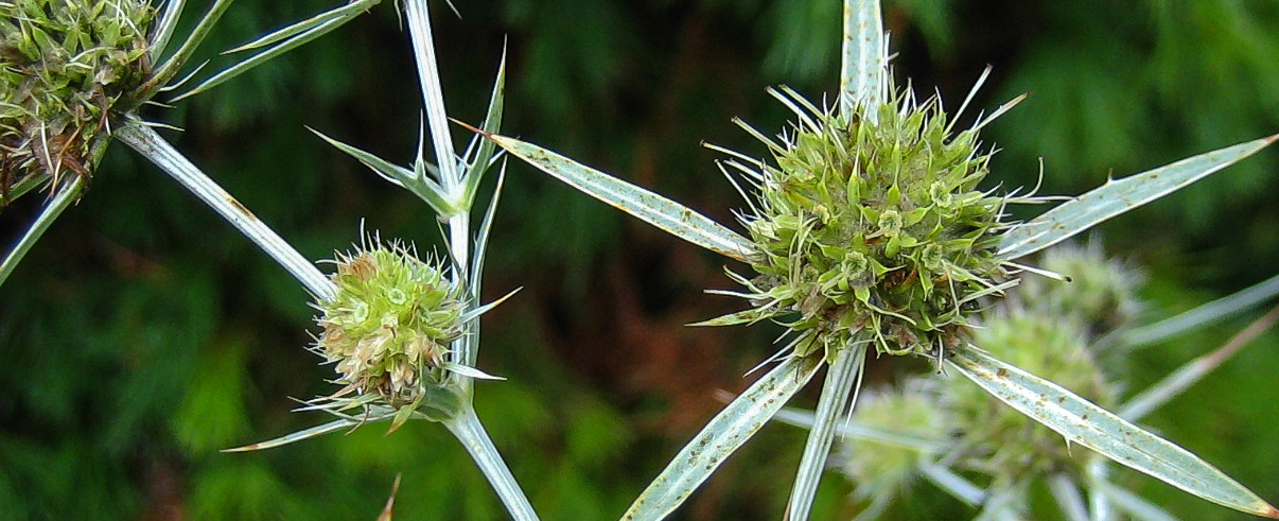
<point x="835" y="288"/>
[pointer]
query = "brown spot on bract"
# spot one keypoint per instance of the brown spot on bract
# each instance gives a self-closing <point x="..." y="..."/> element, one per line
<point x="240" y="208"/>
<point x="1002" y="373"/>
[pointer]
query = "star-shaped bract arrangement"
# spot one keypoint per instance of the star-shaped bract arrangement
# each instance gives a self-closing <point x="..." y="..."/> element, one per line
<point x="867" y="230"/>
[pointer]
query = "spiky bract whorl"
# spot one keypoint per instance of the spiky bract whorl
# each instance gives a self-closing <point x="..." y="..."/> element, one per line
<point x="870" y="228"/>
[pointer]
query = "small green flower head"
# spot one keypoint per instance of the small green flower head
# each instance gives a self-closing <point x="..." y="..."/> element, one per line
<point x="1001" y="441"/>
<point x="390" y="326"/>
<point x="66" y="66"/>
<point x="873" y="229"/>
<point x="1102" y="292"/>
<point x="912" y="422"/>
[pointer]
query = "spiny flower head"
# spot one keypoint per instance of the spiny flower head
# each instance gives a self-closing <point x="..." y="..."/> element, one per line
<point x="874" y="223"/>
<point x="1045" y="326"/>
<point x="66" y="67"/>
<point x="390" y="325"/>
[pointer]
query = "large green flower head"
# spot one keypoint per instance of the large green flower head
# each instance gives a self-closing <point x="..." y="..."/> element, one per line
<point x="875" y="225"/>
<point x="65" y="69"/>
<point x="390" y="325"/>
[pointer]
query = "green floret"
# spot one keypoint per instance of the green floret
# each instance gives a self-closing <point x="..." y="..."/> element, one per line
<point x="873" y="230"/>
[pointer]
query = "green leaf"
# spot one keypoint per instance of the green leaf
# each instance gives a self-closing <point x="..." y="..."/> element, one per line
<point x="674" y="218"/>
<point x="1209" y="313"/>
<point x="48" y="214"/>
<point x="289" y="37"/>
<point x="1118" y="196"/>
<point x="486" y="147"/>
<point x="164" y="27"/>
<point x="424" y="187"/>
<point x="863" y="74"/>
<point x="1082" y="422"/>
<point x="725" y="433"/>
<point x="469" y="344"/>
<point x="1189" y="374"/>
<point x="171" y="65"/>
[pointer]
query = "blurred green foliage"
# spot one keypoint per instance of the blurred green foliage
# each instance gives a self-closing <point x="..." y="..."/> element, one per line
<point x="143" y="334"/>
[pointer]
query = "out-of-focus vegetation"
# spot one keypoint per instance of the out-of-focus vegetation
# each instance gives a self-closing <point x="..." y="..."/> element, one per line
<point x="143" y="334"/>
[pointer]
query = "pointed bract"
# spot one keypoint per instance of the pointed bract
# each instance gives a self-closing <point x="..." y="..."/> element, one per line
<point x="1091" y="426"/>
<point x="1118" y="196"/>
<point x="731" y="428"/>
<point x="643" y="204"/>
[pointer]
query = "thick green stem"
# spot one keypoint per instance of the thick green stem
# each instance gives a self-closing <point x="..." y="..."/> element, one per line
<point x="467" y="347"/>
<point x="468" y="430"/>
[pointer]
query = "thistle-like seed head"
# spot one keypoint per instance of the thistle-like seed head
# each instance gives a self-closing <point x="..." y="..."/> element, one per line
<point x="65" y="67"/>
<point x="873" y="229"/>
<point x="390" y="325"/>
<point x="913" y="417"/>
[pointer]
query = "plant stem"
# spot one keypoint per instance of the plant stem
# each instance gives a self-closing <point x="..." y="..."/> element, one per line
<point x="459" y="245"/>
<point x="419" y="22"/>
<point x="56" y="206"/>
<point x="147" y="142"/>
<point x="843" y="375"/>
<point x="468" y="430"/>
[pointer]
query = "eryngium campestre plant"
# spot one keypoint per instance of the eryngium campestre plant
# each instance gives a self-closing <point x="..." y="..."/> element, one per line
<point x="389" y="328"/>
<point x="873" y="227"/>
<point x="66" y="68"/>
<point x="911" y="247"/>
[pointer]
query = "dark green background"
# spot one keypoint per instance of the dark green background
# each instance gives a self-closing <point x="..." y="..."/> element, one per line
<point x="142" y="334"/>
